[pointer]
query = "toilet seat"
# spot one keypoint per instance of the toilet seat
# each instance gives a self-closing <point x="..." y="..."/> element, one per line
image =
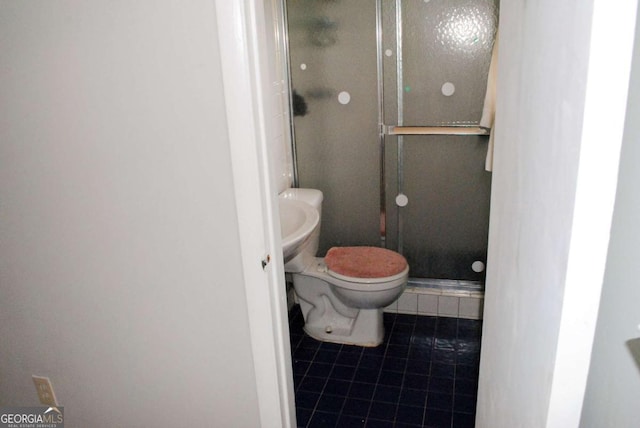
<point x="365" y="265"/>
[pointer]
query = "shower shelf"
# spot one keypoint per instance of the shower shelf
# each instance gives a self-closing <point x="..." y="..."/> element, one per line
<point x="436" y="130"/>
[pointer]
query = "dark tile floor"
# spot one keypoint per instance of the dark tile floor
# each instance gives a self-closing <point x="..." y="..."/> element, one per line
<point x="425" y="374"/>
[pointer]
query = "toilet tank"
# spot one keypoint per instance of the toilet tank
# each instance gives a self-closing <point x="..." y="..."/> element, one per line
<point x="314" y="198"/>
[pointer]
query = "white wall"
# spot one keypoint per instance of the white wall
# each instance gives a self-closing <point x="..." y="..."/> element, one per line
<point x="552" y="197"/>
<point x="614" y="376"/>
<point x="533" y="188"/>
<point x="120" y="267"/>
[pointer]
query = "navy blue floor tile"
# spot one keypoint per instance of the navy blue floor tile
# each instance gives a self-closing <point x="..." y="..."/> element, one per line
<point x="300" y="367"/>
<point x="309" y="343"/>
<point x="439" y="401"/>
<point x="343" y="372"/>
<point x="319" y="369"/>
<point x="448" y="344"/>
<point x="404" y="328"/>
<point x="304" y="354"/>
<point x="367" y="375"/>
<point x="389" y="318"/>
<point x="387" y="394"/>
<point x="307" y="399"/>
<point x="348" y="359"/>
<point x="441" y="384"/>
<point x="468" y="359"/>
<point x="337" y="387"/>
<point x="467" y="372"/>
<point x="383" y="411"/>
<point x="313" y="384"/>
<point x="420" y="340"/>
<point x="303" y="416"/>
<point x="413" y="397"/>
<point x="444" y="356"/>
<point x="443" y="370"/>
<point x="356" y="407"/>
<point x="415" y="381"/>
<point x="466" y="386"/>
<point x="390" y="378"/>
<point x="426" y="325"/>
<point x="469" y="329"/>
<point x="325" y="356"/>
<point x="351" y="349"/>
<point x="323" y="420"/>
<point x="371" y="361"/>
<point x="362" y="391"/>
<point x="330" y="403"/>
<point x="463" y="420"/>
<point x="437" y="419"/>
<point x="401" y="425"/>
<point x="410" y="415"/>
<point x="400" y="338"/>
<point x="346" y="421"/>
<point x="464" y="404"/>
<point x="406" y="319"/>
<point x="297" y="380"/>
<point x="424" y="374"/>
<point x="418" y="366"/>
<point x="446" y="328"/>
<point x="394" y="364"/>
<point x="397" y="351"/>
<point x="377" y="423"/>
<point x="328" y="346"/>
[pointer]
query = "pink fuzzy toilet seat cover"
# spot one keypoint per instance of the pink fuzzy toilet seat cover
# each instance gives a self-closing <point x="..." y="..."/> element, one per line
<point x="365" y="262"/>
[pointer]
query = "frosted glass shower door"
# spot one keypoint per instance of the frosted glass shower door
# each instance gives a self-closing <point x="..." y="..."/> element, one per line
<point x="360" y="67"/>
<point x="436" y="60"/>
<point x="446" y="221"/>
<point x="446" y="52"/>
<point x="332" y="48"/>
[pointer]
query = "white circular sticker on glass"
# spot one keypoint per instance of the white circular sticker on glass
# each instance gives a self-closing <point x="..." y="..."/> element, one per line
<point x="477" y="266"/>
<point x="448" y="89"/>
<point x="344" y="97"/>
<point x="402" y="200"/>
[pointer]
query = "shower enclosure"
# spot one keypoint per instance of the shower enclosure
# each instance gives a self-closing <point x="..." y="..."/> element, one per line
<point x="387" y="97"/>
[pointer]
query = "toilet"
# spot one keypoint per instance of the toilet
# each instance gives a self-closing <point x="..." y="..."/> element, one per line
<point x="342" y="295"/>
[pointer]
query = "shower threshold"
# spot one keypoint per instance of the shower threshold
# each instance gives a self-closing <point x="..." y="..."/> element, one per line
<point x="446" y="287"/>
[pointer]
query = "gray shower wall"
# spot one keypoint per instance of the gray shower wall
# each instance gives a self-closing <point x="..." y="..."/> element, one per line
<point x="333" y="48"/>
<point x="336" y="144"/>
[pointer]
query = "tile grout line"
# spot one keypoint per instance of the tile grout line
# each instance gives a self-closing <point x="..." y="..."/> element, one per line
<point x="353" y="379"/>
<point x="313" y="412"/>
<point x="404" y="375"/>
<point x="366" y="419"/>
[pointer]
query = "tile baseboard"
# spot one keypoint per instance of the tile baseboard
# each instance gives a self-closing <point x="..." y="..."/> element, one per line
<point x="421" y="301"/>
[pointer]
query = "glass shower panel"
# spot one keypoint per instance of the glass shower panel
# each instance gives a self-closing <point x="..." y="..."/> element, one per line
<point x="446" y="52"/>
<point x="446" y="221"/>
<point x="435" y="57"/>
<point x="333" y="72"/>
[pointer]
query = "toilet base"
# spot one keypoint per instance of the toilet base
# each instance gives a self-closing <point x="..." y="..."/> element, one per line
<point x="365" y="329"/>
<point x="334" y="310"/>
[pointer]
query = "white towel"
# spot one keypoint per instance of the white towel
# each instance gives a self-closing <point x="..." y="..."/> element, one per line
<point x="489" y="109"/>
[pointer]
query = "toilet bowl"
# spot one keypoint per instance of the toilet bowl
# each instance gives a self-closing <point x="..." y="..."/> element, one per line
<point x="342" y="295"/>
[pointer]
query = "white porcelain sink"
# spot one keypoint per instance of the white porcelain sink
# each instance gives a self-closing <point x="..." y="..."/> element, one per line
<point x="297" y="222"/>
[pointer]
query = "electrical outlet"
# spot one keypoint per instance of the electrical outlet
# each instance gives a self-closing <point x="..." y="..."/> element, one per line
<point x="45" y="390"/>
